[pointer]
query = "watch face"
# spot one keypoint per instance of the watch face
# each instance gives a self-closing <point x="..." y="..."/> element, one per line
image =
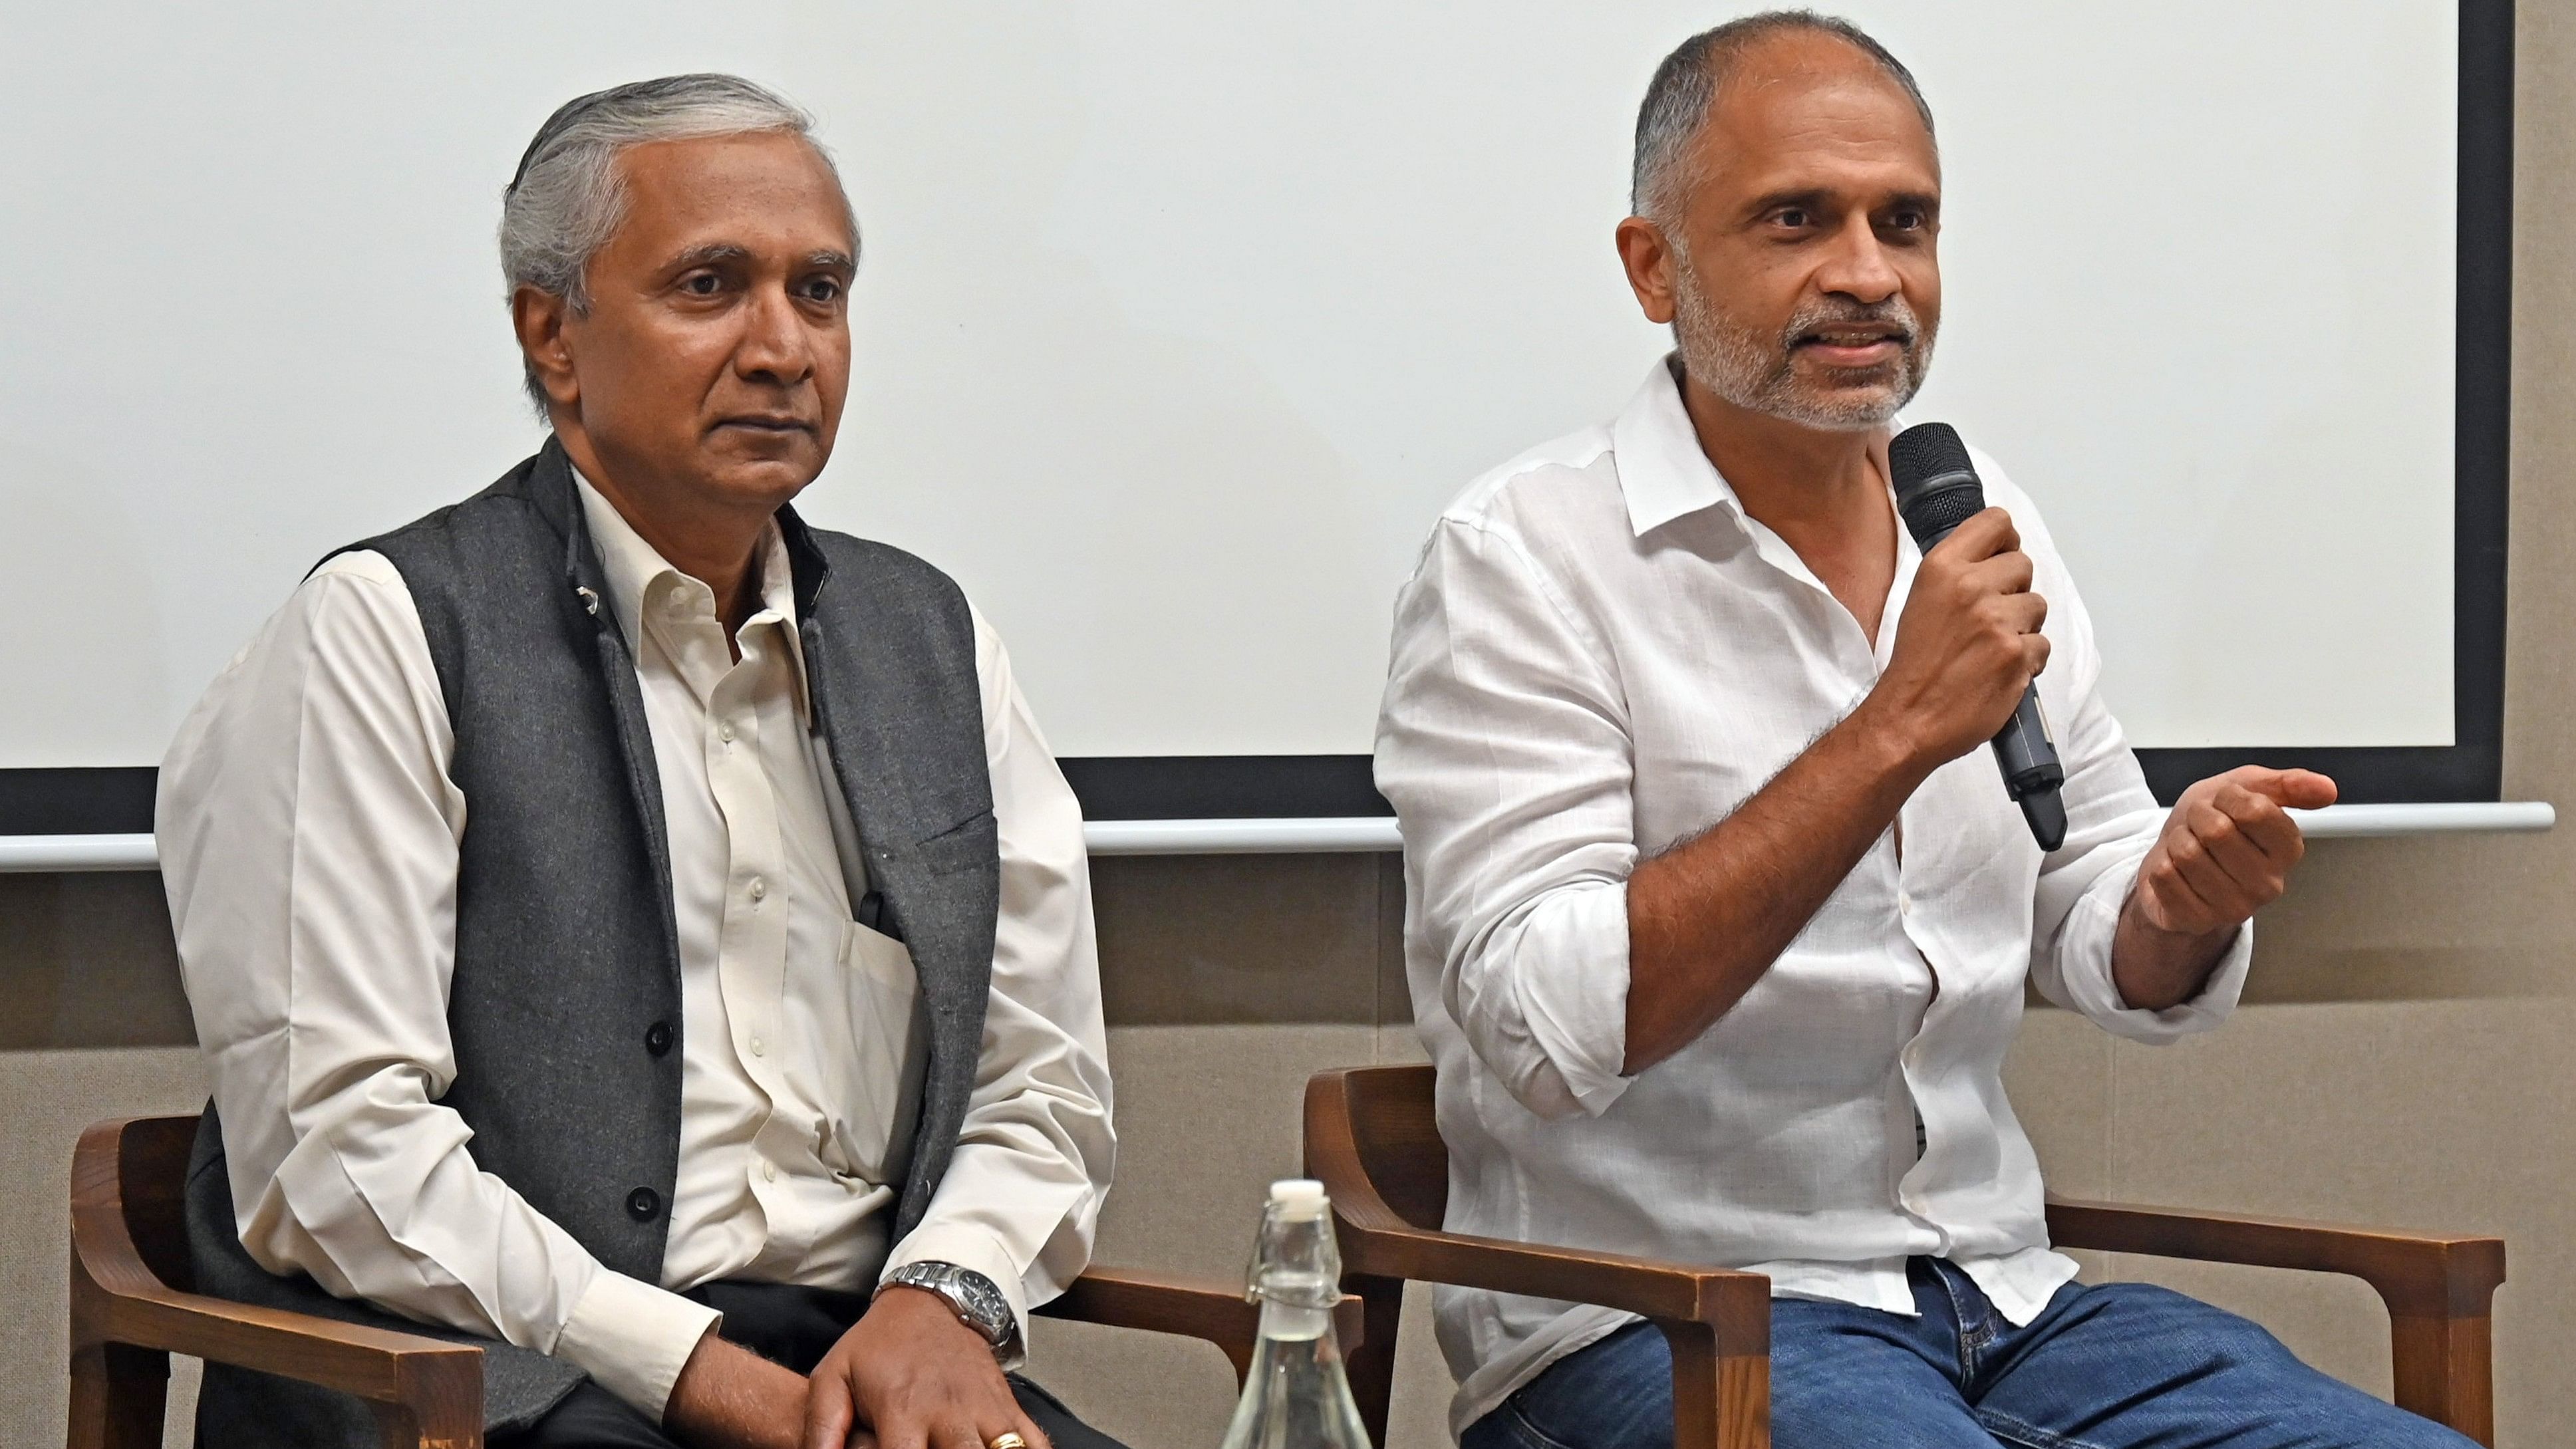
<point x="985" y="1304"/>
<point x="973" y="1295"/>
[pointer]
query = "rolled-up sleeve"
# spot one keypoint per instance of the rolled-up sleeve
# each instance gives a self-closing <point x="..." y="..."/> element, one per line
<point x="1504" y="747"/>
<point x="2112" y="822"/>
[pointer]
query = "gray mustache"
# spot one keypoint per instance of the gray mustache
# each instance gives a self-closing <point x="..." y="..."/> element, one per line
<point x="1895" y="316"/>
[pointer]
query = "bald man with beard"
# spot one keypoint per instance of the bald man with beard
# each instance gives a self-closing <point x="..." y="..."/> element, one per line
<point x="1719" y="921"/>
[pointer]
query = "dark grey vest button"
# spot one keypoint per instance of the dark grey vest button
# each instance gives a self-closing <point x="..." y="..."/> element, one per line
<point x="643" y="1204"/>
<point x="657" y="1038"/>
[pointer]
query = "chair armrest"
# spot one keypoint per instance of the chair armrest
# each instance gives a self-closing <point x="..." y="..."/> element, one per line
<point x="1736" y="1305"/>
<point x="2439" y="1289"/>
<point x="1189" y="1307"/>
<point x="116" y="1299"/>
<point x="372" y="1363"/>
<point x="1717" y="1322"/>
<point x="2420" y="1275"/>
<point x="1379" y="1242"/>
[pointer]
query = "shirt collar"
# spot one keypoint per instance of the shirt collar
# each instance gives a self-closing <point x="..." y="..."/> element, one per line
<point x="634" y="569"/>
<point x="1663" y="472"/>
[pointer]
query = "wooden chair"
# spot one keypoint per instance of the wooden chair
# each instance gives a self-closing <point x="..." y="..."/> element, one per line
<point x="1372" y="1139"/>
<point x="131" y="1308"/>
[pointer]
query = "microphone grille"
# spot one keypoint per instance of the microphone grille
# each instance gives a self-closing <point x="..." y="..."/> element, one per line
<point x="1927" y="450"/>
<point x="1931" y="515"/>
<point x="1937" y="488"/>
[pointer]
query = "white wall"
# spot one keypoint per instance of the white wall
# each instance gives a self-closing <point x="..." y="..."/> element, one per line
<point x="1177" y="323"/>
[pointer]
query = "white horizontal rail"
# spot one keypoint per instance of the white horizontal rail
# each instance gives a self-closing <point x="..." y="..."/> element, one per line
<point x="22" y="853"/>
<point x="62" y="853"/>
<point x="1242" y="837"/>
<point x="2347" y="821"/>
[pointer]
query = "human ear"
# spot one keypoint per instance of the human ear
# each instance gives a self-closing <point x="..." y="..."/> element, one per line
<point x="539" y="318"/>
<point x="1649" y="260"/>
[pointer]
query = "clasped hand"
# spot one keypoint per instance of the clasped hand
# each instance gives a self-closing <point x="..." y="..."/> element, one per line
<point x="908" y="1375"/>
<point x="917" y="1378"/>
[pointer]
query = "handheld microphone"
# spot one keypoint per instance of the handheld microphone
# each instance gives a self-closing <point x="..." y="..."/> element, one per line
<point x="1937" y="489"/>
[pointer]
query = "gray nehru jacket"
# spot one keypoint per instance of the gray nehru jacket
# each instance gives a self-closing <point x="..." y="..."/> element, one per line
<point x="565" y="1003"/>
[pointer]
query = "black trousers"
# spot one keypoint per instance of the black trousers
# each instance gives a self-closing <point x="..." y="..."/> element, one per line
<point x="794" y="1326"/>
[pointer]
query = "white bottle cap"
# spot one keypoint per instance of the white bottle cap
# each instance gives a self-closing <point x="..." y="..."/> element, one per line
<point x="1298" y="1198"/>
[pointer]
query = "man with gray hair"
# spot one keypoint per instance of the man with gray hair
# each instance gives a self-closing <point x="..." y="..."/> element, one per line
<point x="1718" y="919"/>
<point x="627" y="927"/>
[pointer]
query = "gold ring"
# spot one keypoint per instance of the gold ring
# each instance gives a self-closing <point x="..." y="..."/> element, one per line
<point x="1006" y="1440"/>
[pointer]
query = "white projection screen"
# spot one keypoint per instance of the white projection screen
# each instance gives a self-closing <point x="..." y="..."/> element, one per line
<point x="1177" y="323"/>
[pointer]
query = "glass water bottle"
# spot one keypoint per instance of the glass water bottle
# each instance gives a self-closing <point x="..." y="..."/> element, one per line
<point x="1296" y="1396"/>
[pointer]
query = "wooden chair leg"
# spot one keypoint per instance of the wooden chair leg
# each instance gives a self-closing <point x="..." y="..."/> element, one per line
<point x="1718" y="1402"/>
<point x="439" y="1406"/>
<point x="120" y="1396"/>
<point x="1371" y="1365"/>
<point x="2445" y="1371"/>
<point x="406" y="1426"/>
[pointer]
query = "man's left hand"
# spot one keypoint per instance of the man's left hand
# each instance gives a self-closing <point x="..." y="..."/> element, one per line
<point x="2226" y="852"/>
<point x="2227" y="849"/>
<point x="913" y="1376"/>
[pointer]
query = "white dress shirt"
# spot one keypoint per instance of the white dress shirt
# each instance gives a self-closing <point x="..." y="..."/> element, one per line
<point x="1601" y="654"/>
<point x="309" y="839"/>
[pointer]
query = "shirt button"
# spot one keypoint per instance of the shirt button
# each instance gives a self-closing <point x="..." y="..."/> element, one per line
<point x="759" y="889"/>
<point x="759" y="1048"/>
<point x="769" y="1172"/>
<point x="1904" y="904"/>
<point x="725" y="733"/>
<point x="643" y="1204"/>
<point x="657" y="1038"/>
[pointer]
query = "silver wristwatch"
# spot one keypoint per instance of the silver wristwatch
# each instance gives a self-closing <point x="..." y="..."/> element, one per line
<point x="970" y="1295"/>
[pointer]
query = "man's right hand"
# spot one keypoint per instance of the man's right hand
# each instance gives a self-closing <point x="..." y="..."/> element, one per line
<point x="1709" y="916"/>
<point x="728" y="1397"/>
<point x="912" y="1375"/>
<point x="1967" y="645"/>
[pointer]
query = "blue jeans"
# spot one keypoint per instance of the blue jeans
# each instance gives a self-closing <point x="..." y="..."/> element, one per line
<point x="2122" y="1366"/>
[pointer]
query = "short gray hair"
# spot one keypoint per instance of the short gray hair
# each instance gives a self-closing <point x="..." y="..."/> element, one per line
<point x="1687" y="83"/>
<point x="568" y="198"/>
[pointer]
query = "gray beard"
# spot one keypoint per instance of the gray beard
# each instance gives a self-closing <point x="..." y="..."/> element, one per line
<point x="1756" y="373"/>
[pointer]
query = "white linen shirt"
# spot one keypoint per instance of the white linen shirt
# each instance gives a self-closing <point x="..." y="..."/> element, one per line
<point x="1601" y="654"/>
<point x="309" y="838"/>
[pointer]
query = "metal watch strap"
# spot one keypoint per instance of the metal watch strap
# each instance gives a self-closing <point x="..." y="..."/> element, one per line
<point x="970" y="1295"/>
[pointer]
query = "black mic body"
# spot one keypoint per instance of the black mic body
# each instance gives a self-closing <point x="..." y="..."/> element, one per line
<point x="1937" y="489"/>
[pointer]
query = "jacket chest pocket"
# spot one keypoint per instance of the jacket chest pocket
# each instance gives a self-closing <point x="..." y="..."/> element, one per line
<point x="971" y="844"/>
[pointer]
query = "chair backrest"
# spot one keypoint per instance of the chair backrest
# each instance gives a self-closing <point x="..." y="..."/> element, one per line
<point x="1376" y="1126"/>
<point x="151" y="1186"/>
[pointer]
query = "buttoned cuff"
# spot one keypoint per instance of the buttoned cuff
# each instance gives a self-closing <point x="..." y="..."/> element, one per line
<point x="2085" y="967"/>
<point x="633" y="1338"/>
<point x="972" y="1248"/>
